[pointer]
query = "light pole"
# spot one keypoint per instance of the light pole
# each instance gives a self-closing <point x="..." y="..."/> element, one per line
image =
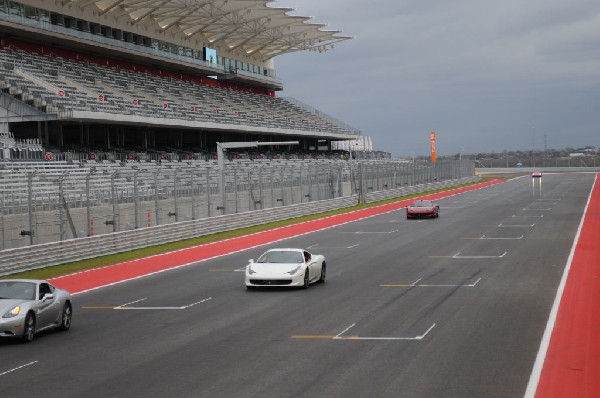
<point x="532" y="146"/>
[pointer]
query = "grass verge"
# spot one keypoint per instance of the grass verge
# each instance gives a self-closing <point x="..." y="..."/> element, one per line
<point x="84" y="265"/>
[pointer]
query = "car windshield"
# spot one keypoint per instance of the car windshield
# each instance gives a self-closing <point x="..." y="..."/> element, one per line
<point x="281" y="256"/>
<point x="421" y="203"/>
<point x="17" y="290"/>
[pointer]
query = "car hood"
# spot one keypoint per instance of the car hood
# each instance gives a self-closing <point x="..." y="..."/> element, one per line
<point x="8" y="304"/>
<point x="274" y="268"/>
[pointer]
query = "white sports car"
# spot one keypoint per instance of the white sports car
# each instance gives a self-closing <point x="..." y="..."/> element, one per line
<point x="286" y="267"/>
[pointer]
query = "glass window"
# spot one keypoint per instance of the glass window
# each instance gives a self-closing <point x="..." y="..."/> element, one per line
<point x="15" y="8"/>
<point x="17" y="290"/>
<point x="44" y="16"/>
<point x="30" y="12"/>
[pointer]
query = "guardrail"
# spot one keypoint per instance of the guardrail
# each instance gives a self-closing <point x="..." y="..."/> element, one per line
<point x="394" y="193"/>
<point x="49" y="254"/>
<point x="45" y="255"/>
<point x="528" y="170"/>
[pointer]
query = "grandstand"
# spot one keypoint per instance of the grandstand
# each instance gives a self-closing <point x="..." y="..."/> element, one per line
<point x="113" y="115"/>
<point x="118" y="77"/>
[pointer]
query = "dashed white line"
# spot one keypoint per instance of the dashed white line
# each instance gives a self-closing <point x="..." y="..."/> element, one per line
<point x="483" y="237"/>
<point x="18" y="367"/>
<point x="516" y="226"/>
<point x="344" y="331"/>
<point x="457" y="255"/>
<point x="123" y="307"/>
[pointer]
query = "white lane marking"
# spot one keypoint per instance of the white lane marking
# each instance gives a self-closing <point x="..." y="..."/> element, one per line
<point x="524" y="208"/>
<point x="415" y="282"/>
<point x="483" y="237"/>
<point x="516" y="226"/>
<point x="469" y="285"/>
<point x="457" y="255"/>
<point x="419" y="337"/>
<point x="161" y="308"/>
<point x="540" y="216"/>
<point x="133" y="302"/>
<point x="344" y="331"/>
<point x="17" y="368"/>
<point x="333" y="247"/>
<point x="536" y="372"/>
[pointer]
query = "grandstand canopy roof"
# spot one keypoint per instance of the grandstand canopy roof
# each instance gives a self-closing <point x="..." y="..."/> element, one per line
<point x="249" y="27"/>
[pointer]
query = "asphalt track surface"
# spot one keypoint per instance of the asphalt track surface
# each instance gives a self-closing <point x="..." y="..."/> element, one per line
<point x="450" y="307"/>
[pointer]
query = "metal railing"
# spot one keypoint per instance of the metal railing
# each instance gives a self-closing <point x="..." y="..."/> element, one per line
<point x="45" y="255"/>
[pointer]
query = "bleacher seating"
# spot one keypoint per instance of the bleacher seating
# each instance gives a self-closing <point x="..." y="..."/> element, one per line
<point x="56" y="85"/>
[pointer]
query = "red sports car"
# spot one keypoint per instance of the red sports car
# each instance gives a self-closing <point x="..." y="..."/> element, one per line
<point x="422" y="209"/>
<point x="537" y="174"/>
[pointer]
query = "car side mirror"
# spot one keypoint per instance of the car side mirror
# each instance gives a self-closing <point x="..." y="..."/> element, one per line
<point x="251" y="261"/>
<point x="47" y="296"/>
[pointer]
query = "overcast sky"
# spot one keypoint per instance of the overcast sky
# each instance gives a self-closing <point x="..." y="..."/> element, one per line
<point x="485" y="75"/>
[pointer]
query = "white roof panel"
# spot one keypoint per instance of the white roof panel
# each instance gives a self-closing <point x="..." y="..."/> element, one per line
<point x="251" y="27"/>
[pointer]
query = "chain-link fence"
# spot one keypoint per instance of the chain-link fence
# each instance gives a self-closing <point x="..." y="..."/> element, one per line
<point x="42" y="206"/>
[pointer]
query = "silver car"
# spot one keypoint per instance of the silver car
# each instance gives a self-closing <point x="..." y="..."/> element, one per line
<point x="29" y="306"/>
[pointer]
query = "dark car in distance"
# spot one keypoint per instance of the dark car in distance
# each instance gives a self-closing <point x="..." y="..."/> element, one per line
<point x="422" y="209"/>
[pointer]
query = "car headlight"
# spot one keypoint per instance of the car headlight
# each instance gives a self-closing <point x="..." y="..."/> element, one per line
<point x="251" y="271"/>
<point x="12" y="313"/>
<point x="294" y="271"/>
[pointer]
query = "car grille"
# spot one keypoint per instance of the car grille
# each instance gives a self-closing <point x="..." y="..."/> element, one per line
<point x="270" y="282"/>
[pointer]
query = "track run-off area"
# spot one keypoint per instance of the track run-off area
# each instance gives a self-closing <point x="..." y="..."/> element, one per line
<point x="495" y="298"/>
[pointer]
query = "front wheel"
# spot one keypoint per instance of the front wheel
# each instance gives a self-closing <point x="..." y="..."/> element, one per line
<point x="29" y="328"/>
<point x="323" y="272"/>
<point x="306" y="283"/>
<point x="66" y="317"/>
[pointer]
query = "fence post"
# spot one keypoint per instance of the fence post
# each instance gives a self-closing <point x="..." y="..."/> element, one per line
<point x="61" y="211"/>
<point x="30" y="205"/>
<point x="361" y="188"/>
<point x="208" y="192"/>
<point x="175" y="194"/>
<point x="235" y="189"/>
<point x="260" y="187"/>
<point x="281" y="186"/>
<point x="272" y="187"/>
<point x="156" y="221"/>
<point x="114" y="200"/>
<point x="193" y="194"/>
<point x="88" y="210"/>
<point x="135" y="200"/>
